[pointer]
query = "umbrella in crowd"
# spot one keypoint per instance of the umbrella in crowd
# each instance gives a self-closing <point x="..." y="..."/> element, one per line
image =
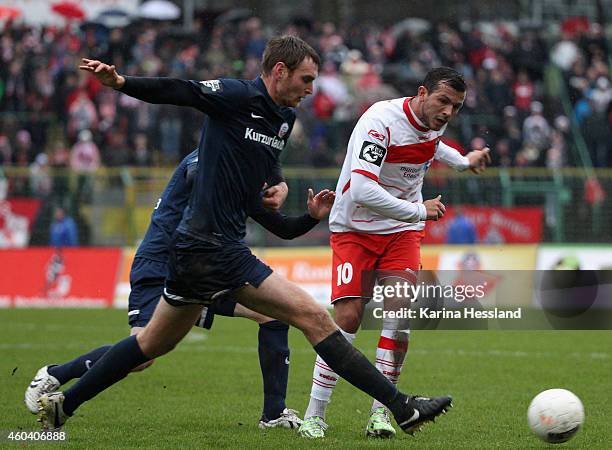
<point x="159" y="10"/>
<point x="69" y="10"/>
<point x="113" y="18"/>
<point x="9" y="12"/>
<point x="234" y="15"/>
<point x="413" y="25"/>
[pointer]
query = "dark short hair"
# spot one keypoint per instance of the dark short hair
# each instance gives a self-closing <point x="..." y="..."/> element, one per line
<point x="287" y="49"/>
<point x="445" y="75"/>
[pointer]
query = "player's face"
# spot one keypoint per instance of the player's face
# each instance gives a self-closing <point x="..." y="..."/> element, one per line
<point x="438" y="107"/>
<point x="294" y="85"/>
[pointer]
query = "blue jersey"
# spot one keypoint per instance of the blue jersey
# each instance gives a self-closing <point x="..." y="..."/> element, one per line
<point x="171" y="204"/>
<point x="243" y="136"/>
<point x="168" y="211"/>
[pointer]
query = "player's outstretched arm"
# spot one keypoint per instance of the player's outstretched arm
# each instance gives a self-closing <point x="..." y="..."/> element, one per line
<point x="476" y="160"/>
<point x="479" y="159"/>
<point x="287" y="227"/>
<point x="158" y="90"/>
<point x="105" y="73"/>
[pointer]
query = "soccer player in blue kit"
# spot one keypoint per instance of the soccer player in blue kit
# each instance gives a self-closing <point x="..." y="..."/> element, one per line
<point x="247" y="125"/>
<point x="149" y="271"/>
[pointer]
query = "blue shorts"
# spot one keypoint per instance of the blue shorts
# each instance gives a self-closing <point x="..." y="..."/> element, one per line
<point x="147" y="278"/>
<point x="202" y="272"/>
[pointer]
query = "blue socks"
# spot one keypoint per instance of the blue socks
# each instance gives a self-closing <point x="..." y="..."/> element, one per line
<point x="78" y="366"/>
<point x="115" y="365"/>
<point x="274" y="362"/>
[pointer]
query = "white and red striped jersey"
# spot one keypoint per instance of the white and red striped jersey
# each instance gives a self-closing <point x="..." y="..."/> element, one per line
<point x="391" y="146"/>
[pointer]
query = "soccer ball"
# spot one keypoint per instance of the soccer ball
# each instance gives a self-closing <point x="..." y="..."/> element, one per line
<point x="555" y="415"/>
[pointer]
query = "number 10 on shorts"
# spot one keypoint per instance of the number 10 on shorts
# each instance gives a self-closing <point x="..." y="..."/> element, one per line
<point x="345" y="273"/>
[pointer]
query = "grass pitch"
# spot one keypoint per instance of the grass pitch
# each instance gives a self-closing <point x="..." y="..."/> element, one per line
<point x="208" y="394"/>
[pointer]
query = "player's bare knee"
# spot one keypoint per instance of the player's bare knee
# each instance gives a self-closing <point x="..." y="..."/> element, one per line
<point x="153" y="346"/>
<point x="348" y="318"/>
<point x="313" y="317"/>
<point x="320" y="315"/>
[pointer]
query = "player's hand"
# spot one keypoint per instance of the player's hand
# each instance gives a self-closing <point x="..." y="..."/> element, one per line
<point x="106" y="74"/>
<point x="275" y="196"/>
<point x="321" y="204"/>
<point x="435" y="208"/>
<point x="479" y="159"/>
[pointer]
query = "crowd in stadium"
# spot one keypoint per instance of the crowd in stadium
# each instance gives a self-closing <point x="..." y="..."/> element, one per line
<point x="54" y="116"/>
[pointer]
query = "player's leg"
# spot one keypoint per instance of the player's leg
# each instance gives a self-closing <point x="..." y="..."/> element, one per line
<point x="350" y="257"/>
<point x="147" y="278"/>
<point x="167" y="327"/>
<point x="145" y="365"/>
<point x="348" y="312"/>
<point x="401" y="256"/>
<point x="273" y="349"/>
<point x="51" y="377"/>
<point x="278" y="298"/>
<point x="147" y="284"/>
<point x="390" y="354"/>
<point x="188" y="287"/>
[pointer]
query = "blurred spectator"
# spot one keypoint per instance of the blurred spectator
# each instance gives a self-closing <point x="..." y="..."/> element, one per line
<point x="461" y="230"/>
<point x="502" y="156"/>
<point x="330" y="83"/>
<point x="85" y="156"/>
<point x="60" y="165"/>
<point x="170" y="129"/>
<point x="565" y="53"/>
<point x="23" y="147"/>
<point x="63" y="230"/>
<point x="536" y="130"/>
<point x="353" y="68"/>
<point x="14" y="98"/>
<point x="256" y="39"/>
<point x="84" y="160"/>
<point x="117" y="151"/>
<point x="142" y="155"/>
<point x="6" y="152"/>
<point x="523" y="91"/>
<point x="511" y="130"/>
<point x="40" y="177"/>
<point x="556" y="155"/>
<point x="596" y="130"/>
<point x="498" y="90"/>
<point x="82" y="114"/>
<point x="601" y="95"/>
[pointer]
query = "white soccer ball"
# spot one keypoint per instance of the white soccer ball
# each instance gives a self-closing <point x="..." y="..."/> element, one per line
<point x="555" y="415"/>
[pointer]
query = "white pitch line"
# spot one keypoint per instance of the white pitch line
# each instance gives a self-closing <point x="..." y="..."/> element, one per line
<point x="194" y="341"/>
<point x="448" y="352"/>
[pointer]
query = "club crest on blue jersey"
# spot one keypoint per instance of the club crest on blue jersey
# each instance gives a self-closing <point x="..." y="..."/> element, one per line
<point x="213" y="85"/>
<point x="283" y="130"/>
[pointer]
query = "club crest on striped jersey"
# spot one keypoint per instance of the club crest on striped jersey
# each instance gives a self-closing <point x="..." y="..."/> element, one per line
<point x="372" y="153"/>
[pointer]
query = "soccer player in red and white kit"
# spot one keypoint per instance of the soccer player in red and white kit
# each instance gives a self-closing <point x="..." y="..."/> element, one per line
<point x="378" y="221"/>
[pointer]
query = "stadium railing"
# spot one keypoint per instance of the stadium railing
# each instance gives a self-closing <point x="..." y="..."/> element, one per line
<point x="113" y="206"/>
